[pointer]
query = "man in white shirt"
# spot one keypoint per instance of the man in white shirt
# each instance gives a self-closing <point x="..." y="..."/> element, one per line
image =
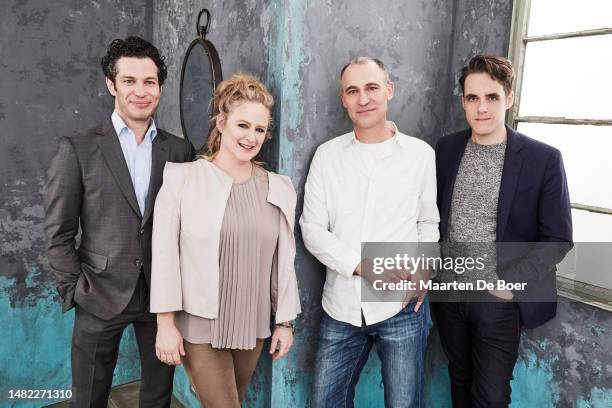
<point x="374" y="184"/>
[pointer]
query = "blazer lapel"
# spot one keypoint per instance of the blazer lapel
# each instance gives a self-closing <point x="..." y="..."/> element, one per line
<point x="111" y="150"/>
<point x="511" y="172"/>
<point x="451" y="177"/>
<point x="159" y="158"/>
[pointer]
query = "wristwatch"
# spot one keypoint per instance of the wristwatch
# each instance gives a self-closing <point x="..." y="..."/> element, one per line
<point x="286" y="325"/>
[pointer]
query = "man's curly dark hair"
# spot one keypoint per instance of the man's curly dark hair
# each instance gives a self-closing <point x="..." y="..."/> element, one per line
<point x="132" y="47"/>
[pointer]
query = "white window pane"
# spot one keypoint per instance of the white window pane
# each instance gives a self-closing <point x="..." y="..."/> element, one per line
<point x="563" y="16"/>
<point x="586" y="155"/>
<point x="568" y="78"/>
<point x="591" y="227"/>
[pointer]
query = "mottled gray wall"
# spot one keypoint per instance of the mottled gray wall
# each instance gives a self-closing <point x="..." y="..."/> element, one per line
<point x="51" y="85"/>
<point x="411" y="38"/>
<point x="237" y="31"/>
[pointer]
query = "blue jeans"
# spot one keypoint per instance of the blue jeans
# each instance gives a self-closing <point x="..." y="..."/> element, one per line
<point x="343" y="350"/>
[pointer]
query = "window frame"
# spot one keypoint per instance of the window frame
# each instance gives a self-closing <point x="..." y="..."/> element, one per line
<point x="568" y="288"/>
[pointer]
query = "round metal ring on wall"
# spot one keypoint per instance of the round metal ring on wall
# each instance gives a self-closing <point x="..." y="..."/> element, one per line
<point x="202" y="30"/>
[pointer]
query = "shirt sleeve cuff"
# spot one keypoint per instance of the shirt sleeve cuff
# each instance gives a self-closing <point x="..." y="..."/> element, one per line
<point x="348" y="265"/>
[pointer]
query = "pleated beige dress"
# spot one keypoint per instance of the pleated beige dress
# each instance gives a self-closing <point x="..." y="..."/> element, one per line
<point x="247" y="271"/>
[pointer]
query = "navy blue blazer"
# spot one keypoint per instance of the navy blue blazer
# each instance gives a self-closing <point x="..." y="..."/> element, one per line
<point x="533" y="206"/>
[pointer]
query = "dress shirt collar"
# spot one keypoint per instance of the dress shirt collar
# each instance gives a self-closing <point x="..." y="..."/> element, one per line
<point x="352" y="140"/>
<point x="121" y="127"/>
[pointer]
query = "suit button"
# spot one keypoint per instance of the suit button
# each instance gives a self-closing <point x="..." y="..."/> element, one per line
<point x="138" y="263"/>
<point x="141" y="231"/>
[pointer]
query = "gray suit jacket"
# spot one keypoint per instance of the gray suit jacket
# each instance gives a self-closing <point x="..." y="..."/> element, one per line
<point x="89" y="186"/>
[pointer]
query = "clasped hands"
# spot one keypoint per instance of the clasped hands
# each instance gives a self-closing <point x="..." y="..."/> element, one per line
<point x="395" y="275"/>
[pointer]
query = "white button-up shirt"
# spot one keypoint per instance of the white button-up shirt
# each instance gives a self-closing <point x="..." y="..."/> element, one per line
<point x="138" y="157"/>
<point x="350" y="198"/>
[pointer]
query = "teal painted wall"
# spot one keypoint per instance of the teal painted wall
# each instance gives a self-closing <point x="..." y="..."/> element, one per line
<point x="35" y="351"/>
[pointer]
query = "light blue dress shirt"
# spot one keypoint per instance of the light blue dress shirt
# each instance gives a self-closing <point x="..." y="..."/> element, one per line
<point x="137" y="156"/>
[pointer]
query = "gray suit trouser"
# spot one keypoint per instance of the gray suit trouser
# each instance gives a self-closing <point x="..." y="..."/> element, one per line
<point x="95" y="348"/>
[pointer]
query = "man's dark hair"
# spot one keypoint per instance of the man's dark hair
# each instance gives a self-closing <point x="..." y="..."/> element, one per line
<point x="132" y="47"/>
<point x="499" y="69"/>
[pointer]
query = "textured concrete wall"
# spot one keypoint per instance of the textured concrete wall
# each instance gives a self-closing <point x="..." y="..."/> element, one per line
<point x="51" y="85"/>
<point x="567" y="362"/>
<point x="237" y="31"/>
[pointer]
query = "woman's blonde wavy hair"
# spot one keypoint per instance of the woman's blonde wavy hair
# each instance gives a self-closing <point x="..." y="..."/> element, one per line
<point x="230" y="93"/>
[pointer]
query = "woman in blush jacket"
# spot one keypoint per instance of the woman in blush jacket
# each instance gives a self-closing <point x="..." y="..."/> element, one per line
<point x="223" y="251"/>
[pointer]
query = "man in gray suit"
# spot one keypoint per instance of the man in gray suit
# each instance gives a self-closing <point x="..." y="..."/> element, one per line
<point x="105" y="180"/>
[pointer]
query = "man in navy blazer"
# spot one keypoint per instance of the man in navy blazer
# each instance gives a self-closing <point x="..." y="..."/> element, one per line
<point x="498" y="185"/>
